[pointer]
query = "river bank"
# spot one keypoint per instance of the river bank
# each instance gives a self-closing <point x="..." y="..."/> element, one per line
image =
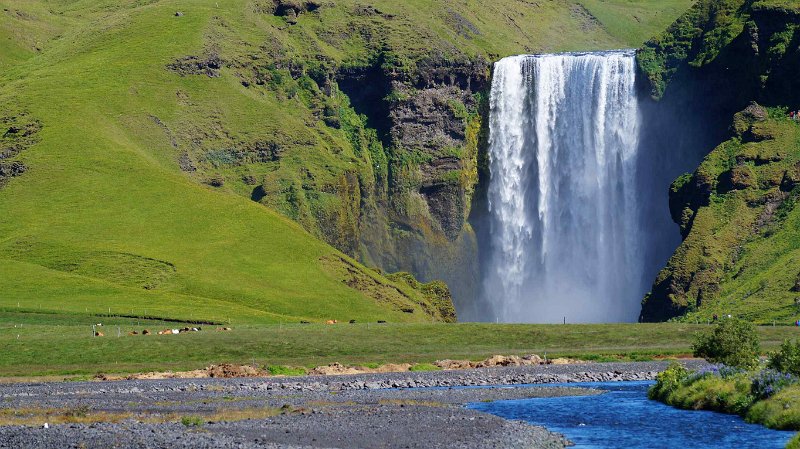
<point x="762" y="396"/>
<point x="350" y="411"/>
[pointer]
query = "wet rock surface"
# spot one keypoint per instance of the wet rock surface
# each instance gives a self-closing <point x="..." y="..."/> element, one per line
<point x="368" y="410"/>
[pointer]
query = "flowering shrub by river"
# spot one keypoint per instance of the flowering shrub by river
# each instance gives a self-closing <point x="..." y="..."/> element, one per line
<point x="763" y="396"/>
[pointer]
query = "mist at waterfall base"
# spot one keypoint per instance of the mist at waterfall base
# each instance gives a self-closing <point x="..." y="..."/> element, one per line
<point x="577" y="221"/>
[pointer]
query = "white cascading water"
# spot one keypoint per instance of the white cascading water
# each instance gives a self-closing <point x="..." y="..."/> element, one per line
<point x="564" y="232"/>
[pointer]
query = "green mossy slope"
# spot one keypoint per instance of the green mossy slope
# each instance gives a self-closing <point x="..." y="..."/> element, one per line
<point x="737" y="210"/>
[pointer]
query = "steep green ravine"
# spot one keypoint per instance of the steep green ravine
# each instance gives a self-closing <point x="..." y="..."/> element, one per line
<point x="736" y="211"/>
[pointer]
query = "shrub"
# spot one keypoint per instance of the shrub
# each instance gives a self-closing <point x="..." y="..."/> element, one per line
<point x="769" y="382"/>
<point x="794" y="443"/>
<point x="668" y="381"/>
<point x="279" y="370"/>
<point x="787" y="358"/>
<point x="732" y="342"/>
<point x="425" y="367"/>
<point x="192" y="421"/>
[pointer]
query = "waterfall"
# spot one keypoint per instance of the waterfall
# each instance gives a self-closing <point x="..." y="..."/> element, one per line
<point x="565" y="235"/>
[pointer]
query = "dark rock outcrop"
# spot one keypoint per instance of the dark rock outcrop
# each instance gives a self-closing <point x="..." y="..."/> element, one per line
<point x="10" y="170"/>
<point x="429" y="121"/>
<point x="209" y="65"/>
<point x="291" y="9"/>
<point x="17" y="133"/>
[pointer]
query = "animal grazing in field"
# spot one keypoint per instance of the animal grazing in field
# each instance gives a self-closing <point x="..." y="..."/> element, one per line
<point x="99" y="334"/>
<point x="332" y="322"/>
<point x="133" y="333"/>
<point x="146" y="332"/>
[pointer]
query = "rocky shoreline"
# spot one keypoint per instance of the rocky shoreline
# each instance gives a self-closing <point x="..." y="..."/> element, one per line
<point x="392" y="410"/>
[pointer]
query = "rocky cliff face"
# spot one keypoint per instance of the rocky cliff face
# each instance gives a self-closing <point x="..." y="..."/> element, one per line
<point x="736" y="210"/>
<point x="434" y="133"/>
<point x="381" y="162"/>
<point x="404" y="202"/>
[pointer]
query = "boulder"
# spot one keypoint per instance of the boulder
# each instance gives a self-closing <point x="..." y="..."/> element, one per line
<point x="391" y="368"/>
<point x="500" y="360"/>
<point x="228" y="371"/>
<point x="333" y="369"/>
<point x="454" y="364"/>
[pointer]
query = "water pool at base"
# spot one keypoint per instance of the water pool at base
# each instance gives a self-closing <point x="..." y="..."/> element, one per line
<point x="623" y="417"/>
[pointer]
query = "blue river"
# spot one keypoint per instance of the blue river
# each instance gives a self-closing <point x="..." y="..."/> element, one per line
<point x="623" y="417"/>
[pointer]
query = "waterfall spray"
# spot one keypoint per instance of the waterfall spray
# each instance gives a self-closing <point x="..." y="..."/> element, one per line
<point x="565" y="237"/>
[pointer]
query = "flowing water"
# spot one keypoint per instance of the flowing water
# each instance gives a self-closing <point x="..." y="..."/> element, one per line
<point x="566" y="240"/>
<point x="624" y="417"/>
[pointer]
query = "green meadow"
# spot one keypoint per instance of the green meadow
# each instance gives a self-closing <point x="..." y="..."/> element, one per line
<point x="35" y="344"/>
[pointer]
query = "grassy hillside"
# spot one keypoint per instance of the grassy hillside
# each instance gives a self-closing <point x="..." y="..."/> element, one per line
<point x="742" y="245"/>
<point x="737" y="211"/>
<point x="136" y="134"/>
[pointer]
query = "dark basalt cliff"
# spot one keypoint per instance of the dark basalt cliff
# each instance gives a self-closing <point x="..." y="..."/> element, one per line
<point x="736" y="211"/>
<point x="434" y="133"/>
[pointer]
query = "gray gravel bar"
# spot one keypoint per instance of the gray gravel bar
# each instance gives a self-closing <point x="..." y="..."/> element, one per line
<point x="392" y="410"/>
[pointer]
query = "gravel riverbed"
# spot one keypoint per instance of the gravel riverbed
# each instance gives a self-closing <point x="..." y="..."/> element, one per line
<point x="392" y="410"/>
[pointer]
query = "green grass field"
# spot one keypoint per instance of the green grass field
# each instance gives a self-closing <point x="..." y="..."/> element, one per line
<point x="49" y="344"/>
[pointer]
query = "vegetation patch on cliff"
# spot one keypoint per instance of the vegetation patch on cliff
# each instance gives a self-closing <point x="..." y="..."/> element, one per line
<point x="738" y="217"/>
<point x="736" y="211"/>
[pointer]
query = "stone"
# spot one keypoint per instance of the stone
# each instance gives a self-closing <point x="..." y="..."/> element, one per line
<point x="454" y="364"/>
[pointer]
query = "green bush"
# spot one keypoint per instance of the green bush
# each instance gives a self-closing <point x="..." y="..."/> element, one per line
<point x="787" y="358"/>
<point x="668" y="381"/>
<point x="425" y="367"/>
<point x="732" y="342"/>
<point x="192" y="421"/>
<point x="280" y="370"/>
